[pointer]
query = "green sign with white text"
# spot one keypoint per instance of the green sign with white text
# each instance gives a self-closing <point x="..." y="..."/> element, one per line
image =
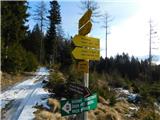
<point x="69" y="107"/>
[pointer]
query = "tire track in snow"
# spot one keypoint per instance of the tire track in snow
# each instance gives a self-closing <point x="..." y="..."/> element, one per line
<point x="17" y="99"/>
<point x="22" y="105"/>
<point x="27" y="98"/>
<point x="18" y="105"/>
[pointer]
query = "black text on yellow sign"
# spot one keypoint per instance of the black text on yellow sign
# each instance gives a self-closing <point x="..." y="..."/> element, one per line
<point x="83" y="66"/>
<point x="85" y="41"/>
<point x="86" y="54"/>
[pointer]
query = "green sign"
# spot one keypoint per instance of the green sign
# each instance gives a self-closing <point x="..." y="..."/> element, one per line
<point x="69" y="107"/>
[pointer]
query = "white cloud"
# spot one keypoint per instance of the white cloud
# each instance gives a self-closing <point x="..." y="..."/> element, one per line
<point x="132" y="36"/>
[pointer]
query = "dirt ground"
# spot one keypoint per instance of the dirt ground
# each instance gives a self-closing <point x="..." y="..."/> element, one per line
<point x="8" y="80"/>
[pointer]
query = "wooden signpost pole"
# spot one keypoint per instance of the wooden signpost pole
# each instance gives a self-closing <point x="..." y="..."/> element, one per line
<point x="86" y="84"/>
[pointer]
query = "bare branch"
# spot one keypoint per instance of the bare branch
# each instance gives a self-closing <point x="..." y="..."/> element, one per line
<point x="40" y="14"/>
<point x="93" y="5"/>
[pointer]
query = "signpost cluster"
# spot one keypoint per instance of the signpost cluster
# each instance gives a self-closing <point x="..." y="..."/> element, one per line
<point x="87" y="48"/>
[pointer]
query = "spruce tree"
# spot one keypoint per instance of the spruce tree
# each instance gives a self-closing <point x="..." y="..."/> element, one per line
<point x="14" y="16"/>
<point x="51" y="41"/>
<point x="14" y="32"/>
<point x="33" y="42"/>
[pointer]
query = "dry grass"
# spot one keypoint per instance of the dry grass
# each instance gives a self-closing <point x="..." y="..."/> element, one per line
<point x="102" y="112"/>
<point x="9" y="80"/>
<point x="52" y="114"/>
<point x="54" y="104"/>
<point x="47" y="115"/>
<point x="122" y="107"/>
<point x="44" y="114"/>
<point x="147" y="113"/>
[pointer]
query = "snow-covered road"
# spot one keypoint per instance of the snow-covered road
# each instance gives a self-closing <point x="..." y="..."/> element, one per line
<point x="17" y="103"/>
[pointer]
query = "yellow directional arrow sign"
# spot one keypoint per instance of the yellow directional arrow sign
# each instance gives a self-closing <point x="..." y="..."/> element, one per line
<point x="85" y="41"/>
<point x="83" y="66"/>
<point x="84" y="54"/>
<point x="85" y="29"/>
<point x="85" y="18"/>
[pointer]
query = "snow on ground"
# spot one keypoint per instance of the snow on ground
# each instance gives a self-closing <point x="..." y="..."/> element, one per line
<point x="37" y="98"/>
<point x="42" y="71"/>
<point x="18" y="101"/>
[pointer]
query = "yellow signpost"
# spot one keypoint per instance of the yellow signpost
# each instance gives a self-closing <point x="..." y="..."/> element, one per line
<point x="87" y="50"/>
<point x="86" y="54"/>
<point x="84" y="19"/>
<point x="86" y="28"/>
<point x="83" y="66"/>
<point x="85" y="41"/>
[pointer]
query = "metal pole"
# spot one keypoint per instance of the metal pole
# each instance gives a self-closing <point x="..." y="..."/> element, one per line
<point x="150" y="57"/>
<point x="106" y="32"/>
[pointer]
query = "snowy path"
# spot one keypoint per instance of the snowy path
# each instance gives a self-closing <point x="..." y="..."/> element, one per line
<point x="17" y="103"/>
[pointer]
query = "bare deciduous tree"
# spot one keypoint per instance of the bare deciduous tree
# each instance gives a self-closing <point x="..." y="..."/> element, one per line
<point x="93" y="5"/>
<point x="40" y="16"/>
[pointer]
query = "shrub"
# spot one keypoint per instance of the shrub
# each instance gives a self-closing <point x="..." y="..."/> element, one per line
<point x="73" y="75"/>
<point x="99" y="84"/>
<point x="18" y="60"/>
<point x="112" y="100"/>
<point x="31" y="62"/>
<point x="117" y="81"/>
<point x="150" y="92"/>
<point x="57" y="84"/>
<point x="57" y="78"/>
<point x="14" y="60"/>
<point x="147" y="112"/>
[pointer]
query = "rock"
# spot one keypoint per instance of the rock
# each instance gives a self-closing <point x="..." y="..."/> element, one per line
<point x="134" y="98"/>
<point x="54" y="104"/>
<point x="44" y="81"/>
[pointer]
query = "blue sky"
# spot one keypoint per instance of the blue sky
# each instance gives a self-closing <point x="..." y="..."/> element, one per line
<point x="129" y="29"/>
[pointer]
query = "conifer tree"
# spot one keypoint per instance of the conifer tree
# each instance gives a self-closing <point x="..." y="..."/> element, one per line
<point x="33" y="42"/>
<point x="14" y="16"/>
<point x="51" y="41"/>
<point x="14" y="32"/>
